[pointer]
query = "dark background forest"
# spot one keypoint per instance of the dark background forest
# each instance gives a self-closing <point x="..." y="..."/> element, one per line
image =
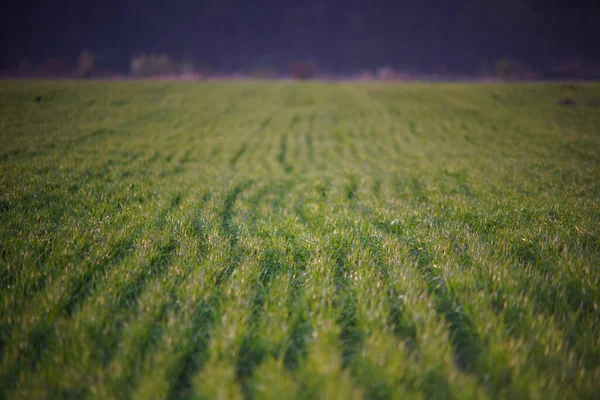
<point x="340" y="36"/>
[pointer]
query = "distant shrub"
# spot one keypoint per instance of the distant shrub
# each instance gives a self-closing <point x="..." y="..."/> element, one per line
<point x="570" y="69"/>
<point x="85" y="64"/>
<point x="303" y="70"/>
<point x="152" y="65"/>
<point x="525" y="72"/>
<point x="54" y="68"/>
<point x="486" y="71"/>
<point x="386" y="74"/>
<point x="365" y="75"/>
<point x="187" y="67"/>
<point x="189" y="71"/>
<point x="263" y="72"/>
<point x="238" y="75"/>
<point x="205" y="72"/>
<point x="504" y="69"/>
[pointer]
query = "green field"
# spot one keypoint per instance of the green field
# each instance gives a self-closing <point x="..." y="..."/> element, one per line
<point x="299" y="240"/>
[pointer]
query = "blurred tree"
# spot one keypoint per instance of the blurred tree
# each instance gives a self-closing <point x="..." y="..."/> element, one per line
<point x="264" y="72"/>
<point x="54" y="67"/>
<point x="149" y="65"/>
<point x="85" y="64"/>
<point x="187" y="67"/>
<point x="303" y="69"/>
<point x="504" y="69"/>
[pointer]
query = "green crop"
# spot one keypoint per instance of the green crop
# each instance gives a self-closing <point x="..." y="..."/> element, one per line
<point x="299" y="240"/>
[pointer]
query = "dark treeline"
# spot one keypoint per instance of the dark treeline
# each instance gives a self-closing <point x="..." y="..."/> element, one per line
<point x="340" y="36"/>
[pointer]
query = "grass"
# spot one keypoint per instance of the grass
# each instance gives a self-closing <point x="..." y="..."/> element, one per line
<point x="284" y="240"/>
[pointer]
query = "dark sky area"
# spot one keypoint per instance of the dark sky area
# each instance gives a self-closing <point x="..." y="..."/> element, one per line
<point x="339" y="35"/>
